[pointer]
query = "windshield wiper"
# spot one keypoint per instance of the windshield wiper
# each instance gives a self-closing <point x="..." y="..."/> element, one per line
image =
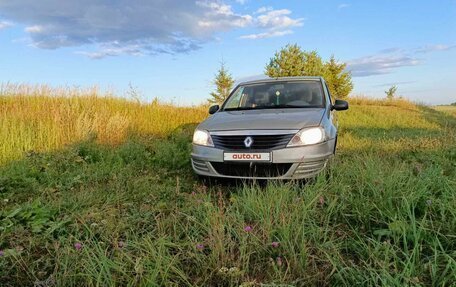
<point x="238" y="109"/>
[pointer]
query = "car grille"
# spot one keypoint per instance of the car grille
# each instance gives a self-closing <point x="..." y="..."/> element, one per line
<point x="260" y="142"/>
<point x="251" y="169"/>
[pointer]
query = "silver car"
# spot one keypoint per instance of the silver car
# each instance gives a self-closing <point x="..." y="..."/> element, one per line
<point x="281" y="128"/>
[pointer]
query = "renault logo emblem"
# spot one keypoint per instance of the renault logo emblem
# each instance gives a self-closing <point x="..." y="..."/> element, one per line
<point x="248" y="142"/>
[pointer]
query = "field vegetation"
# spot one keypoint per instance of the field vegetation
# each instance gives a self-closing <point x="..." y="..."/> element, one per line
<point x="99" y="191"/>
<point x="450" y="109"/>
<point x="40" y="118"/>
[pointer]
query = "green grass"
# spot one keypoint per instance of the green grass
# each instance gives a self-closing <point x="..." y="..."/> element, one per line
<point x="382" y="215"/>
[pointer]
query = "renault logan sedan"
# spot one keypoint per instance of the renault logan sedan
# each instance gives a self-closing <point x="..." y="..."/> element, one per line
<point x="281" y="128"/>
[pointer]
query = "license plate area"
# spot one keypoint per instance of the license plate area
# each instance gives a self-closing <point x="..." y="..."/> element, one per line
<point x="247" y="156"/>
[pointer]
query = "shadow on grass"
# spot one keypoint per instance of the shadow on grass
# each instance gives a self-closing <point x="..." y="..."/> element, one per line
<point x="88" y="163"/>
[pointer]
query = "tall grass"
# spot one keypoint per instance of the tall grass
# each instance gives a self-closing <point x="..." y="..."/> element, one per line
<point x="41" y="118"/>
<point x="451" y="110"/>
<point x="397" y="102"/>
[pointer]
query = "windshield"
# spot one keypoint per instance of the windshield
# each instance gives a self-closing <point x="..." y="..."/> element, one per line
<point x="302" y="94"/>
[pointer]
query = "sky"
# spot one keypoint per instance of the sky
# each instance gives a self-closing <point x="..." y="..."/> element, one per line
<point x="171" y="49"/>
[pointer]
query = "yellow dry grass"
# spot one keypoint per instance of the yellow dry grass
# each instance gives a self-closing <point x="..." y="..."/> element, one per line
<point x="40" y="118"/>
<point x="450" y="110"/>
<point x="399" y="102"/>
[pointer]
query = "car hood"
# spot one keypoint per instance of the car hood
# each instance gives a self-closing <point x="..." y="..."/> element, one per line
<point x="272" y="119"/>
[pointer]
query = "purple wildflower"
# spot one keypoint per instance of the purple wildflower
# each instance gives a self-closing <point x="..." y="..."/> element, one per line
<point x="248" y="228"/>
<point x="2" y="253"/>
<point x="120" y="244"/>
<point x="275" y="244"/>
<point x="193" y="193"/>
<point x="200" y="246"/>
<point x="78" y="246"/>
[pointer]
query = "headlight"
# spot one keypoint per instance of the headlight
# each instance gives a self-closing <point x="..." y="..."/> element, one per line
<point x="202" y="138"/>
<point x="307" y="137"/>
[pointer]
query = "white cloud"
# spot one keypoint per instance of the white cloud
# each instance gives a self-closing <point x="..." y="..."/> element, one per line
<point x="276" y="23"/>
<point x="395" y="84"/>
<point x="5" y="24"/>
<point x="263" y="9"/>
<point x="113" y="50"/>
<point x="220" y="16"/>
<point x="434" y="48"/>
<point x="343" y="6"/>
<point x="34" y="29"/>
<point x="216" y="8"/>
<point x="268" y="34"/>
<point x="387" y="60"/>
<point x="242" y="2"/>
<point x="379" y="64"/>
<point x="278" y="19"/>
<point x="171" y="26"/>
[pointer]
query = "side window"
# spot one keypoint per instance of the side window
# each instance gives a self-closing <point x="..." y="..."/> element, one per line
<point x="235" y="100"/>
<point x="329" y="94"/>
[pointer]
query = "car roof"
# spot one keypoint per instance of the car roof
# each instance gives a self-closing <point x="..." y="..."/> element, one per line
<point x="271" y="80"/>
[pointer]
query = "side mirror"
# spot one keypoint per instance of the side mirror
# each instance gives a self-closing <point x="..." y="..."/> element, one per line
<point x="340" y="105"/>
<point x="213" y="109"/>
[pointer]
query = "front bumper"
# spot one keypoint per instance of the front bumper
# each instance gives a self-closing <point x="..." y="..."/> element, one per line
<point x="305" y="161"/>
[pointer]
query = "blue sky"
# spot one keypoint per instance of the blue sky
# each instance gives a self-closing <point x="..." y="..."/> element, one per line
<point x="171" y="49"/>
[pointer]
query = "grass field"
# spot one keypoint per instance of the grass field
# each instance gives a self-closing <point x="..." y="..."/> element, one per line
<point x="99" y="192"/>
<point x="451" y="110"/>
<point x="40" y="118"/>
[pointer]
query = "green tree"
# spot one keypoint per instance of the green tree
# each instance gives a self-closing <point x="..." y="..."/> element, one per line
<point x="338" y="79"/>
<point x="313" y="64"/>
<point x="391" y="92"/>
<point x="293" y="61"/>
<point x="224" y="83"/>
